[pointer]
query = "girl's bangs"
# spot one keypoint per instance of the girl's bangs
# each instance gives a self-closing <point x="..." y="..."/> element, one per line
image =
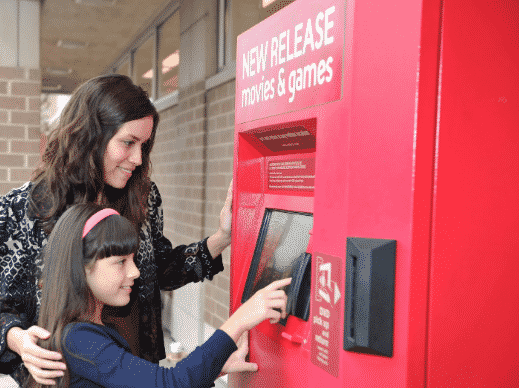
<point x="113" y="236"/>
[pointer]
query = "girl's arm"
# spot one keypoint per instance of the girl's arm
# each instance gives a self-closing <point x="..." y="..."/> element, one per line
<point x="98" y="354"/>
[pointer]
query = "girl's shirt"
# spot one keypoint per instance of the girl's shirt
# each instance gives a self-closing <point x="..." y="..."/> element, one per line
<point x="98" y="356"/>
<point x="161" y="266"/>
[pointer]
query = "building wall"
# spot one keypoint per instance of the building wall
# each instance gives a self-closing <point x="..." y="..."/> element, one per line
<point x="220" y="123"/>
<point x="19" y="125"/>
<point x="20" y="89"/>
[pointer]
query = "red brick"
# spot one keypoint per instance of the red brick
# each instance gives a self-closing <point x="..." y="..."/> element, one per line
<point x="12" y="72"/>
<point x="3" y="146"/>
<point x="34" y="133"/>
<point x="25" y="89"/>
<point x="3" y="174"/>
<point x="12" y="132"/>
<point x="34" y="75"/>
<point x="17" y="103"/>
<point x="30" y="118"/>
<point x="3" y="117"/>
<point x="217" y="322"/>
<point x="3" y="87"/>
<point x="222" y="312"/>
<point x="34" y="103"/>
<point x="6" y="187"/>
<point x="12" y="160"/>
<point x="33" y="161"/>
<point x="20" y="175"/>
<point x="25" y="146"/>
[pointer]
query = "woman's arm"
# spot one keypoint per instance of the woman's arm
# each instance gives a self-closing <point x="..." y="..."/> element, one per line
<point x="19" y="246"/>
<point x="222" y="238"/>
<point x="183" y="264"/>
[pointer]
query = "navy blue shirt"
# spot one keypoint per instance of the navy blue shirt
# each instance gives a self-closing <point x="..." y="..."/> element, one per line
<point x="98" y="356"/>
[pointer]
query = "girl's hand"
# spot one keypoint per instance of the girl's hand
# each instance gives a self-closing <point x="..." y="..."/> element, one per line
<point x="222" y="238"/>
<point x="236" y="362"/>
<point x="38" y="361"/>
<point x="259" y="307"/>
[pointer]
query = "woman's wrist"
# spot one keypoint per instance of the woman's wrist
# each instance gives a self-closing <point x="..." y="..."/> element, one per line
<point x="13" y="339"/>
<point x="218" y="242"/>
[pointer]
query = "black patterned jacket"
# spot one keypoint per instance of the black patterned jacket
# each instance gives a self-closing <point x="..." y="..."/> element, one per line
<point x="161" y="267"/>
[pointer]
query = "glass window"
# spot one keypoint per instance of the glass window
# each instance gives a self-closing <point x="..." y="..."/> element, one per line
<point x="169" y="55"/>
<point x="248" y="13"/>
<point x="143" y="61"/>
<point x="124" y="69"/>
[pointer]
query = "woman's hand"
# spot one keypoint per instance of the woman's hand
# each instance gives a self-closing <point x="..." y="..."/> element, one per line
<point x="262" y="305"/>
<point x="39" y="362"/>
<point x="222" y="238"/>
<point x="236" y="362"/>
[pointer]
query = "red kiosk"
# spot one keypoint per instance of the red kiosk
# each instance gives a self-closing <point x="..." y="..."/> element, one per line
<point x="377" y="163"/>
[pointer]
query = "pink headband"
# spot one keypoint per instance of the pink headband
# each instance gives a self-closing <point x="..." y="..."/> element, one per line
<point x="94" y="220"/>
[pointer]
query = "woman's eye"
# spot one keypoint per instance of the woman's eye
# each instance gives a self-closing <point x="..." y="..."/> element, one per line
<point x="128" y="143"/>
<point x="120" y="262"/>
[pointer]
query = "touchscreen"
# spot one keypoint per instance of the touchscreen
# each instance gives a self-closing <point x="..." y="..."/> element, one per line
<point x="283" y="237"/>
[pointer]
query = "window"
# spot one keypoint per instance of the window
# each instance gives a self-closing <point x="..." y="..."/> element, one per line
<point x="169" y="55"/>
<point x="124" y="69"/>
<point x="248" y="13"/>
<point x="143" y="66"/>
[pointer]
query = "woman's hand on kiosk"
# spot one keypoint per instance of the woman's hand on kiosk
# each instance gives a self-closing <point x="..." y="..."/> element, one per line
<point x="41" y="363"/>
<point x="262" y="305"/>
<point x="222" y="238"/>
<point x="237" y="362"/>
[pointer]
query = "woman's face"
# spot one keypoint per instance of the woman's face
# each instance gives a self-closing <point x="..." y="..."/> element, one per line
<point x="124" y="151"/>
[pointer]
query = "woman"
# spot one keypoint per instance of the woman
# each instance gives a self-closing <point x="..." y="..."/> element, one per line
<point x="99" y="153"/>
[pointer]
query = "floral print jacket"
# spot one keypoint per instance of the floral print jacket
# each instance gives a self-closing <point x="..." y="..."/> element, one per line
<point x="161" y="267"/>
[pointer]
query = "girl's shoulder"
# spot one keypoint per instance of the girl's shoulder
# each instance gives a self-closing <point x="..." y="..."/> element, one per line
<point x="86" y="337"/>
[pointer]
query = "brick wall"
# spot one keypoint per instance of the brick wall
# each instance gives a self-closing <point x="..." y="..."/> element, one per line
<point x="220" y="140"/>
<point x="192" y="166"/>
<point x="20" y="134"/>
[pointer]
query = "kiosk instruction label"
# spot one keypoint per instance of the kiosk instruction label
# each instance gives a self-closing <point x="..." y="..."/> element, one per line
<point x="326" y="330"/>
<point x="287" y="64"/>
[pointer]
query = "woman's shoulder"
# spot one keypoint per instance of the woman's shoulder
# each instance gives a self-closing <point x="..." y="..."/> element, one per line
<point x="16" y="199"/>
<point x="154" y="198"/>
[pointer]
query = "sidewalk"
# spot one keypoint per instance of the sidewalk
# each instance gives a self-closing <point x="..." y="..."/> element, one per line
<point x="7" y="382"/>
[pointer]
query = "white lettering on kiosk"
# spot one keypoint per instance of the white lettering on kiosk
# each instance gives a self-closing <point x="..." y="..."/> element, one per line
<point x="283" y="50"/>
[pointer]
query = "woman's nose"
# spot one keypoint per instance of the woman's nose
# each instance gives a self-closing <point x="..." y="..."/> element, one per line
<point x="136" y="156"/>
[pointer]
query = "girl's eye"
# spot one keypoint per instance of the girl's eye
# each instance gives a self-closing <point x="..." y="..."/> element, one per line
<point x="128" y="143"/>
<point x="121" y="262"/>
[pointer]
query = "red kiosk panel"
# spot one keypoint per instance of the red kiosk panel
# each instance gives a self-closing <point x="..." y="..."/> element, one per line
<point x="396" y="135"/>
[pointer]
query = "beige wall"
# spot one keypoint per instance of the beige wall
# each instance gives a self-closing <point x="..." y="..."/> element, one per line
<point x="20" y="89"/>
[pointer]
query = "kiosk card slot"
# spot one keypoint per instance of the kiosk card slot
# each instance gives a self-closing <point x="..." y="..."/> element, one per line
<point x="369" y="305"/>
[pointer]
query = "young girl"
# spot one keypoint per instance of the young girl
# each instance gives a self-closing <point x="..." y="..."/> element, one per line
<point x="88" y="263"/>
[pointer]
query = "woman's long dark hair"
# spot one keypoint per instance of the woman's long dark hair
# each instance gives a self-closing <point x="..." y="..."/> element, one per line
<point x="66" y="297"/>
<point x="72" y="164"/>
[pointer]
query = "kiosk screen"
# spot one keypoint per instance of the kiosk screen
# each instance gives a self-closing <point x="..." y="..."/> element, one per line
<point x="283" y="237"/>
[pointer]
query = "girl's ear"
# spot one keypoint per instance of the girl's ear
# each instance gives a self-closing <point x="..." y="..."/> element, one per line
<point x="89" y="268"/>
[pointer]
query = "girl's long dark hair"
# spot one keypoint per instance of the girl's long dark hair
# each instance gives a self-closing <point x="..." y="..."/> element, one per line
<point x="72" y="164"/>
<point x="66" y="297"/>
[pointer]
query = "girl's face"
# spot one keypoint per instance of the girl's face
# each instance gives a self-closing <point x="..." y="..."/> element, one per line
<point x="111" y="280"/>
<point x="124" y="151"/>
